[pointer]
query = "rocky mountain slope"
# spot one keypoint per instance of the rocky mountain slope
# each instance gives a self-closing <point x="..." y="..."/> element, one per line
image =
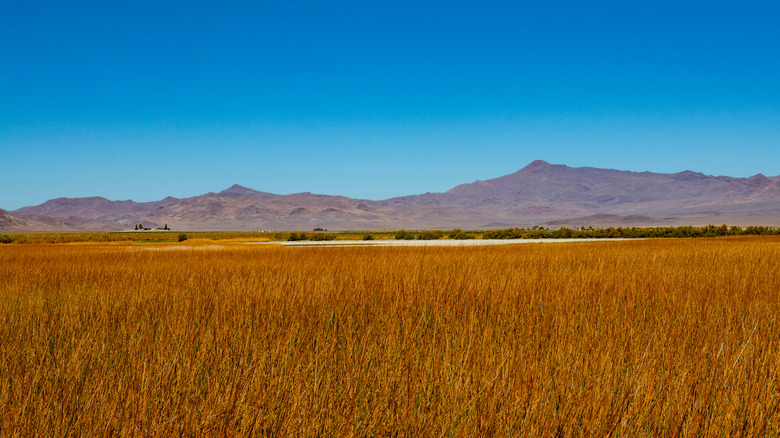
<point x="31" y="222"/>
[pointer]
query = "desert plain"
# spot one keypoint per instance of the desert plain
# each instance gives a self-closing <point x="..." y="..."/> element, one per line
<point x="654" y="337"/>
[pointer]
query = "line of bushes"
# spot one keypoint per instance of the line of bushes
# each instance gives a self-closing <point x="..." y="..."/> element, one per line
<point x="509" y="233"/>
<point x="418" y="235"/>
<point x="310" y="236"/>
<point x="433" y="235"/>
<point x="630" y="232"/>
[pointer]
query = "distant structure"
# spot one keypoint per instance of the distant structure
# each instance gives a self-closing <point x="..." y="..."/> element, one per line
<point x="140" y="227"/>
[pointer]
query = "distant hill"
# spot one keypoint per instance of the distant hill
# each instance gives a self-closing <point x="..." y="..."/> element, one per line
<point x="540" y="193"/>
<point x="31" y="222"/>
<point x="94" y="207"/>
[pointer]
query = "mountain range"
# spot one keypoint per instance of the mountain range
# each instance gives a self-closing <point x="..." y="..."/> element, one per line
<point x="538" y="194"/>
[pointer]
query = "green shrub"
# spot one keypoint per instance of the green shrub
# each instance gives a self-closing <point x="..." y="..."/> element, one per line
<point x="510" y="233"/>
<point x="322" y="236"/>
<point x="294" y="237"/>
<point x="429" y="235"/>
<point x="182" y="237"/>
<point x="458" y="234"/>
<point x="404" y="235"/>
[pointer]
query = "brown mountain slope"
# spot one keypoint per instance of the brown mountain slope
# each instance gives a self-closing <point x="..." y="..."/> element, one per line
<point x="31" y="222"/>
<point x="93" y="207"/>
<point x="538" y="193"/>
<point x="543" y="192"/>
<point x="544" y="182"/>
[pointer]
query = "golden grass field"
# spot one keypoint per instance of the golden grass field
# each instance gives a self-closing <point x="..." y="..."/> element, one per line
<point x="636" y="338"/>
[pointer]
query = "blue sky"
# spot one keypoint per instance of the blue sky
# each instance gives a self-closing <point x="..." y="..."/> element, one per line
<point x="140" y="100"/>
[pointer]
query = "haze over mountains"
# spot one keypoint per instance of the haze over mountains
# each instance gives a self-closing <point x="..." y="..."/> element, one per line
<point x="540" y="193"/>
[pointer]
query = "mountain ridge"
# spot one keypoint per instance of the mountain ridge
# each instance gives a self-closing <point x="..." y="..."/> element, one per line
<point x="538" y="193"/>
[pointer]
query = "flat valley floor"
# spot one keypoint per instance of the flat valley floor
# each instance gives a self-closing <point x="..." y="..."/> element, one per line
<point x="674" y="337"/>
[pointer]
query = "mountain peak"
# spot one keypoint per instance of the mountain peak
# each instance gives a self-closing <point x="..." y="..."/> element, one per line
<point x="537" y="164"/>
<point x="237" y="187"/>
<point x="688" y="175"/>
<point x="237" y="190"/>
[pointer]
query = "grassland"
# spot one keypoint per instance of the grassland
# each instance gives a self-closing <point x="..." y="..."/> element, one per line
<point x="653" y="337"/>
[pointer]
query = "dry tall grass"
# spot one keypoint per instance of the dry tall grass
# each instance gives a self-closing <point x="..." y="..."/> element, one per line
<point x="661" y="338"/>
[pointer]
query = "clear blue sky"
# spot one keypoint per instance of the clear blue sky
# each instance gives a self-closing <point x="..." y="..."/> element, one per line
<point x="143" y="99"/>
